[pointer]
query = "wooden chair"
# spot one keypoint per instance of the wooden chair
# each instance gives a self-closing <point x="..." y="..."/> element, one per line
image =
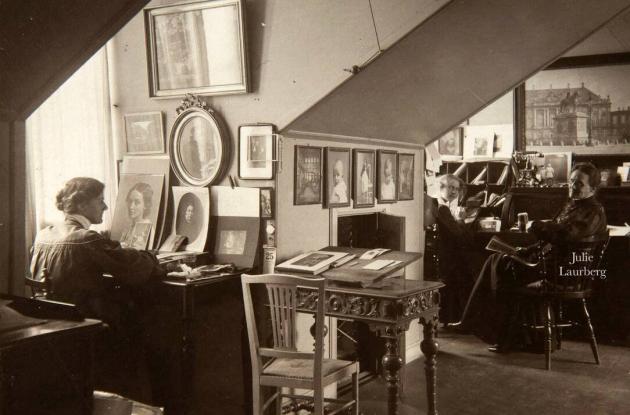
<point x="559" y="285"/>
<point x="282" y="366"/>
<point x="40" y="288"/>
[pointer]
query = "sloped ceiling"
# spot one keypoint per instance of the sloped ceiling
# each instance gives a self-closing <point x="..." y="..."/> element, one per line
<point x="43" y="42"/>
<point x="452" y="65"/>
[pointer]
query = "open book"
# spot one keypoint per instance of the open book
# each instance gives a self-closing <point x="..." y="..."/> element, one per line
<point x="497" y="245"/>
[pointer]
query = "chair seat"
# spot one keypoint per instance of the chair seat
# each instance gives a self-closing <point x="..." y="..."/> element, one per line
<point x="303" y="368"/>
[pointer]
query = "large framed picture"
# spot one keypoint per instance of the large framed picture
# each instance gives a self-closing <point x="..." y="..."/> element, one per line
<point x="579" y="105"/>
<point x="255" y="159"/>
<point x="405" y="176"/>
<point x="338" y="177"/>
<point x="144" y="133"/>
<point x="363" y="173"/>
<point x="197" y="47"/>
<point x="307" y="182"/>
<point x="387" y="176"/>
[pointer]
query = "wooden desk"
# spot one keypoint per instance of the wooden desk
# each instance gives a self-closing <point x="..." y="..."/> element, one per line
<point x="388" y="311"/>
<point x="46" y="366"/>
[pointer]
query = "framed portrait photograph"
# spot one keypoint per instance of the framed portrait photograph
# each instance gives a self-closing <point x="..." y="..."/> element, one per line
<point x="266" y="202"/>
<point x="405" y="176"/>
<point x="255" y="160"/>
<point x="387" y="182"/>
<point x="144" y="133"/>
<point x="197" y="47"/>
<point x="478" y="141"/>
<point x="338" y="177"/>
<point x="307" y="180"/>
<point x="450" y="145"/>
<point x="137" y="208"/>
<point x="363" y="177"/>
<point x="191" y="216"/>
<point x="579" y="105"/>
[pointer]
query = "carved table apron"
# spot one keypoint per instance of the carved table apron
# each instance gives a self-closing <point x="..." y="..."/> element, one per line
<point x="388" y="311"/>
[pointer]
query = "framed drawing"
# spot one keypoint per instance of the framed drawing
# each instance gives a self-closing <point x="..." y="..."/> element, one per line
<point x="387" y="176"/>
<point x="137" y="210"/>
<point x="580" y="104"/>
<point x="338" y="177"/>
<point x="363" y="173"/>
<point x="405" y="176"/>
<point x="256" y="153"/>
<point x="144" y="133"/>
<point x="307" y="181"/>
<point x="478" y="141"/>
<point x="266" y="202"/>
<point x="196" y="47"/>
<point x="450" y="145"/>
<point x="198" y="144"/>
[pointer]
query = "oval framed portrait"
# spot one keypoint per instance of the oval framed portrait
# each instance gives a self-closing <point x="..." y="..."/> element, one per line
<point x="198" y="147"/>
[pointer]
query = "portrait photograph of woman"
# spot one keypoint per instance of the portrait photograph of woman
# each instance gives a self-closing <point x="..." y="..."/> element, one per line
<point x="387" y="176"/>
<point x="363" y="177"/>
<point x="191" y="216"/>
<point x="137" y="210"/>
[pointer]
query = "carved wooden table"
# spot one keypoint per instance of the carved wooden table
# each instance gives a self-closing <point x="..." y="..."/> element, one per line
<point x="388" y="311"/>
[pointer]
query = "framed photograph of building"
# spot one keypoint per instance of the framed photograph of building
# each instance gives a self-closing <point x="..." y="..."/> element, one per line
<point x="580" y="105"/>
<point x="363" y="177"/>
<point x="387" y="176"/>
<point x="256" y="153"/>
<point x="144" y="133"/>
<point x="307" y="181"/>
<point x="197" y="47"/>
<point x="405" y="176"/>
<point x="450" y="145"/>
<point x="338" y="177"/>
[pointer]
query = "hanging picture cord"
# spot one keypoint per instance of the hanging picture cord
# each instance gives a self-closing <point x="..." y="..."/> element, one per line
<point x="358" y="68"/>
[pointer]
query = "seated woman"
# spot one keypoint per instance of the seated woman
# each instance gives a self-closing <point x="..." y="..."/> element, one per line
<point x="456" y="241"/>
<point x="74" y="259"/>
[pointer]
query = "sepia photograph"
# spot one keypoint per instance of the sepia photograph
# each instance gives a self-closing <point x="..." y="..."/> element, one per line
<point x="338" y="177"/>
<point x="256" y="151"/>
<point x="387" y="176"/>
<point x="478" y="141"/>
<point x="191" y="216"/>
<point x="364" y="173"/>
<point x="266" y="202"/>
<point x="307" y="179"/>
<point x="196" y="48"/>
<point x="137" y="202"/>
<point x="405" y="176"/>
<point x="144" y="133"/>
<point x="450" y="145"/>
<point x="232" y="242"/>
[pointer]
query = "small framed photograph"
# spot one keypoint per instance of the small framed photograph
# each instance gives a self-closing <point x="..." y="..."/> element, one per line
<point x="144" y="133"/>
<point x="479" y="142"/>
<point x="307" y="181"/>
<point x="338" y="177"/>
<point x="405" y="176"/>
<point x="255" y="159"/>
<point x="387" y="176"/>
<point x="363" y="174"/>
<point x="266" y="202"/>
<point x="197" y="48"/>
<point x="450" y="145"/>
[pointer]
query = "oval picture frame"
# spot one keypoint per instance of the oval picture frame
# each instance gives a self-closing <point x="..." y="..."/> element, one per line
<point x="198" y="146"/>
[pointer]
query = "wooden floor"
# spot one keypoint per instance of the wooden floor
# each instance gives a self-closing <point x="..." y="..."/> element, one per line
<point x="472" y="380"/>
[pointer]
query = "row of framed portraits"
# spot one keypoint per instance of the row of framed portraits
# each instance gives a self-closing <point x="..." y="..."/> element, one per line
<point x="336" y="176"/>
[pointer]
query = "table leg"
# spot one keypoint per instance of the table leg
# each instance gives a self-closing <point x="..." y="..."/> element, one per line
<point x="392" y="362"/>
<point x="429" y="348"/>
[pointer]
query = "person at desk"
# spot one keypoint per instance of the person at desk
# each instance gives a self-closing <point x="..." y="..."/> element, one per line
<point x="74" y="258"/>
<point x="580" y="218"/>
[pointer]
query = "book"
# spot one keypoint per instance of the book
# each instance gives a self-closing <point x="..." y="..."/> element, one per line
<point x="497" y="245"/>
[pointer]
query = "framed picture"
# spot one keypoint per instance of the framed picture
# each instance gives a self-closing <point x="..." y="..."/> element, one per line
<point x="338" y="177"/>
<point x="478" y="141"/>
<point x="196" y="47"/>
<point x="256" y="153"/>
<point x="579" y="105"/>
<point x="405" y="176"/>
<point x="144" y="133"/>
<point x="554" y="169"/>
<point x="198" y="144"/>
<point x="387" y="176"/>
<point x="312" y="262"/>
<point x="307" y="182"/>
<point x="191" y="215"/>
<point x="266" y="202"/>
<point x="450" y="145"/>
<point x="363" y="174"/>
<point x="137" y="208"/>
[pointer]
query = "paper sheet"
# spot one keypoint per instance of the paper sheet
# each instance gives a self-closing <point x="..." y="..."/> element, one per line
<point x="238" y="201"/>
<point x="378" y="264"/>
<point x="433" y="158"/>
